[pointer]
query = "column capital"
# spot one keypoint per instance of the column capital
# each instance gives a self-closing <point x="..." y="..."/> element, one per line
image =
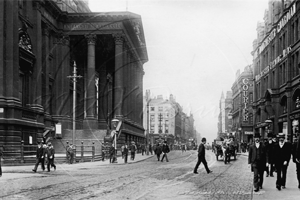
<point x="46" y="30"/>
<point x="91" y="39"/>
<point x="62" y="39"/>
<point x="119" y="38"/>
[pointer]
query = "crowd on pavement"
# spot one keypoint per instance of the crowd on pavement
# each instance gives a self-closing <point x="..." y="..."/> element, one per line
<point x="273" y="156"/>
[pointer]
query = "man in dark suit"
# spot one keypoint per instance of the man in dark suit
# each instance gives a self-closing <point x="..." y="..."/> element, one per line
<point x="40" y="157"/>
<point x="50" y="155"/>
<point x="257" y="160"/>
<point x="270" y="155"/>
<point x="283" y="152"/>
<point x="125" y="153"/>
<point x="165" y="149"/>
<point x="296" y="158"/>
<point x="201" y="157"/>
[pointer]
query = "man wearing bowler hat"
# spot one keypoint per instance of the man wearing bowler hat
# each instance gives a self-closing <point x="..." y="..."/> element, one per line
<point x="282" y="152"/>
<point x="270" y="155"/>
<point x="257" y="160"/>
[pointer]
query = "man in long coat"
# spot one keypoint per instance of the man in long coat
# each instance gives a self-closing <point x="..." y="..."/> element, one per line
<point x="50" y="156"/>
<point x="270" y="155"/>
<point x="201" y="157"/>
<point x="283" y="151"/>
<point x="40" y="157"/>
<point x="257" y="160"/>
<point x="296" y="158"/>
<point x="158" y="151"/>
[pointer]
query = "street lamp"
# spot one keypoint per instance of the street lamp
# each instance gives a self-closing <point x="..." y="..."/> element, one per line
<point x="115" y="123"/>
<point x="74" y="78"/>
<point x="268" y="122"/>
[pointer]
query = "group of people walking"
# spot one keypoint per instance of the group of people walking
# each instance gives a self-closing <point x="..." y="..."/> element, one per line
<point x="273" y="157"/>
<point x="162" y="149"/>
<point x="44" y="154"/>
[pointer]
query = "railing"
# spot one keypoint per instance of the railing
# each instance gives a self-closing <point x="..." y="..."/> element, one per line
<point x="26" y="153"/>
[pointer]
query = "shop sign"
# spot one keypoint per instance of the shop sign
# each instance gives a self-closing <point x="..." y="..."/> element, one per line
<point x="248" y="132"/>
<point x="245" y="98"/>
<point x="272" y="64"/>
<point x="284" y="20"/>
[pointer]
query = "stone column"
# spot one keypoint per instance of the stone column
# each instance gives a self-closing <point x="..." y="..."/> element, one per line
<point x="90" y="121"/>
<point x="118" y="75"/>
<point x="46" y="67"/>
<point x="37" y="72"/>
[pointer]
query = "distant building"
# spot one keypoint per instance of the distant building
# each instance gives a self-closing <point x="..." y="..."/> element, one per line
<point x="224" y="122"/>
<point x="164" y="119"/>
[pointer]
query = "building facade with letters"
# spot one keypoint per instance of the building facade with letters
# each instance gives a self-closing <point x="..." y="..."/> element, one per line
<point x="242" y="99"/>
<point x="277" y="70"/>
<point x="41" y="42"/>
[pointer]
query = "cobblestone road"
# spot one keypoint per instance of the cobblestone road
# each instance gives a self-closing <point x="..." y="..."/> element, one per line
<point x="144" y="180"/>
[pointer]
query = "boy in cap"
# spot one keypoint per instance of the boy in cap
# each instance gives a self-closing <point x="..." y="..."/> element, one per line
<point x="257" y="160"/>
<point x="283" y="152"/>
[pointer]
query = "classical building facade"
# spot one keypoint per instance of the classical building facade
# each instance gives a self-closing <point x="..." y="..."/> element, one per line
<point x="41" y="40"/>
<point x="242" y="99"/>
<point x="277" y="70"/>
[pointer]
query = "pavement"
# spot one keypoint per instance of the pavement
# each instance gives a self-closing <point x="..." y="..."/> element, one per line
<point x="10" y="172"/>
<point x="269" y="191"/>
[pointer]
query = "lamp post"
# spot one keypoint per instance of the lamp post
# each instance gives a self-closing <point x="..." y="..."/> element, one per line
<point x="74" y="78"/>
<point x="115" y="123"/>
<point x="268" y="122"/>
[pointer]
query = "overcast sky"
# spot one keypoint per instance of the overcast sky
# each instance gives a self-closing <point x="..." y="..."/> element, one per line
<point x="195" y="48"/>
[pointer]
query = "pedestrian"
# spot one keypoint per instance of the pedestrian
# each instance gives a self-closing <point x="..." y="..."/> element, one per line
<point x="165" y="149"/>
<point x="125" y="153"/>
<point x="1" y="154"/>
<point x="270" y="168"/>
<point x="122" y="150"/>
<point x="70" y="152"/>
<point x="111" y="154"/>
<point x="257" y="160"/>
<point x="40" y="157"/>
<point x="201" y="157"/>
<point x="50" y="157"/>
<point x="133" y="149"/>
<point x="158" y="151"/>
<point x="283" y="151"/>
<point x="296" y="158"/>
<point x="150" y="149"/>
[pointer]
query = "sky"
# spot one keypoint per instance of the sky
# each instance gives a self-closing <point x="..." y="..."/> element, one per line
<point x="195" y="48"/>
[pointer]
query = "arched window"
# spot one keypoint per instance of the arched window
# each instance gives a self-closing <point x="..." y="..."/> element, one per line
<point x="296" y="99"/>
<point x="283" y="104"/>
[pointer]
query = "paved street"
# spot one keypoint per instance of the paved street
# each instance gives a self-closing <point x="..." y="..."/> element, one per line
<point x="145" y="179"/>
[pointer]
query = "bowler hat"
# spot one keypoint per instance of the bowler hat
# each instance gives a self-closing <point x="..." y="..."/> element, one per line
<point x="256" y="135"/>
<point x="281" y="135"/>
<point x="270" y="135"/>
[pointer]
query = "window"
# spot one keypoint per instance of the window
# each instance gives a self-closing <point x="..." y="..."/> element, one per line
<point x="24" y="88"/>
<point x="160" y="108"/>
<point x="283" y="73"/>
<point x="152" y="117"/>
<point x="152" y="109"/>
<point x="296" y="30"/>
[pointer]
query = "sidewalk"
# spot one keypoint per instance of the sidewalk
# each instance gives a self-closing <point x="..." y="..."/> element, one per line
<point x="8" y="171"/>
<point x="269" y="190"/>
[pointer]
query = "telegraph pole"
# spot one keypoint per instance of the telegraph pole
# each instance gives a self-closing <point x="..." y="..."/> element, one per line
<point x="74" y="78"/>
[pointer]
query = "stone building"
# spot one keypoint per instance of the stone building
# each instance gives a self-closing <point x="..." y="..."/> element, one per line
<point x="276" y="70"/>
<point x="41" y="40"/>
<point x="242" y="99"/>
